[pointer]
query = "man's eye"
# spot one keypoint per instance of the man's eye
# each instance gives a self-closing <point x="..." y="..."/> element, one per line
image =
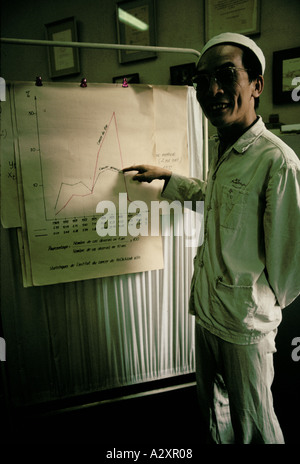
<point x="226" y="75"/>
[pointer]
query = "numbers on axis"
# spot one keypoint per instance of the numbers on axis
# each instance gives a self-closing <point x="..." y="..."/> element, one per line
<point x="75" y="225"/>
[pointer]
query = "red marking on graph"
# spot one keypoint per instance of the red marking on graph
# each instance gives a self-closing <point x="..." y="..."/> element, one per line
<point x="95" y="177"/>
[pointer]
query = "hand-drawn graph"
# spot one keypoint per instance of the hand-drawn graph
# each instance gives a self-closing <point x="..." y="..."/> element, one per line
<point x="65" y="189"/>
<point x="70" y="191"/>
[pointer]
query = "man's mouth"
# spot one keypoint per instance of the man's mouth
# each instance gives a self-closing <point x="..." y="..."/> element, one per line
<point x="219" y="106"/>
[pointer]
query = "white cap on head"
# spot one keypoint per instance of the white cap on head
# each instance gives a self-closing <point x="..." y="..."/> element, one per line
<point x="238" y="39"/>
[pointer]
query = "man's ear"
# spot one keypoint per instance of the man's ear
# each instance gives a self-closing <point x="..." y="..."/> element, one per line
<point x="258" y="86"/>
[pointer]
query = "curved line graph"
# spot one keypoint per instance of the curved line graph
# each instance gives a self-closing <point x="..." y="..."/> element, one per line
<point x="102" y="170"/>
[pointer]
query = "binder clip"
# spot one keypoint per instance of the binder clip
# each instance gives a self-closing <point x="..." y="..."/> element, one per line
<point x="83" y="82"/>
<point x="38" y="81"/>
<point x="125" y="83"/>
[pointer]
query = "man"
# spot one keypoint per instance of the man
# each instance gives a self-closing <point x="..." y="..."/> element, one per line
<point x="247" y="269"/>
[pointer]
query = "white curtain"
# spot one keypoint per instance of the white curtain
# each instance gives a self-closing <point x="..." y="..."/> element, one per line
<point x="82" y="337"/>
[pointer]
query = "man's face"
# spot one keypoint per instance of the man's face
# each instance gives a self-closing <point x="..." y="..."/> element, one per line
<point x="230" y="102"/>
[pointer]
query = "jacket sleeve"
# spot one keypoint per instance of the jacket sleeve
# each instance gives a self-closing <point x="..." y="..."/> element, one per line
<point x="281" y="231"/>
<point x="185" y="189"/>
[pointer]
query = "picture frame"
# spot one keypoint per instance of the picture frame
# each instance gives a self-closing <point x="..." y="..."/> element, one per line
<point x="63" y="61"/>
<point x="130" y="79"/>
<point x="286" y="67"/>
<point x="225" y="15"/>
<point x="182" y="74"/>
<point x="136" y="25"/>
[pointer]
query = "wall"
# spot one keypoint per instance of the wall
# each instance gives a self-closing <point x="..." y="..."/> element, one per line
<point x="179" y="24"/>
<point x="97" y="23"/>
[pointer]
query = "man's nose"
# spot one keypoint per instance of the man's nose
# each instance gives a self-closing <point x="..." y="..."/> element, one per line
<point x="215" y="86"/>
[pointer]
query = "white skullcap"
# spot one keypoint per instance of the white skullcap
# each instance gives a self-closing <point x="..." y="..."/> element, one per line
<point x="238" y="39"/>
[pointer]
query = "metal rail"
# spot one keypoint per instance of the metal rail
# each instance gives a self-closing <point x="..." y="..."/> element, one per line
<point x="56" y="43"/>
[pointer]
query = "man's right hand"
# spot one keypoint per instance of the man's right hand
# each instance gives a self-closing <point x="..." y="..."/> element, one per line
<point x="148" y="173"/>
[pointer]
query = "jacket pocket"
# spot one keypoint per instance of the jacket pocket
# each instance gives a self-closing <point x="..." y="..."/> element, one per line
<point x="232" y="207"/>
<point x="234" y="306"/>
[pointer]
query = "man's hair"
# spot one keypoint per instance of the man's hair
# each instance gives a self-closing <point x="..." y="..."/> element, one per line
<point x="252" y="64"/>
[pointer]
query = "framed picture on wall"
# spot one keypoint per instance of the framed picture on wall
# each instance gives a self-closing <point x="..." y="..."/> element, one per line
<point x="182" y="74"/>
<point x="136" y="26"/>
<point x="286" y="76"/>
<point x="242" y="17"/>
<point x="128" y="78"/>
<point x="63" y="61"/>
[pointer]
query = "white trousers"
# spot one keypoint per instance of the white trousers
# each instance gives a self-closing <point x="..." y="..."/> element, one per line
<point x="234" y="390"/>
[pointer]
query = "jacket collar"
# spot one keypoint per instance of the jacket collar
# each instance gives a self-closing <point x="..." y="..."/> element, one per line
<point x="249" y="137"/>
<point x="243" y="143"/>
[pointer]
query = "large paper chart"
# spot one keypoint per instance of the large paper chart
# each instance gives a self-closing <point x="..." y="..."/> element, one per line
<point x="73" y="143"/>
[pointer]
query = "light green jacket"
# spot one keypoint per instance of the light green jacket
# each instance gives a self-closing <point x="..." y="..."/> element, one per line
<point x="248" y="267"/>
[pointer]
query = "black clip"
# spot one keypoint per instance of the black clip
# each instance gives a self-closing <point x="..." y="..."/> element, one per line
<point x="38" y="81"/>
<point x="83" y="82"/>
